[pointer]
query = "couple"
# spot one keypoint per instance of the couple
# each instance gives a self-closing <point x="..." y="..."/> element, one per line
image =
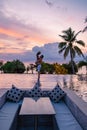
<point x="38" y="63"/>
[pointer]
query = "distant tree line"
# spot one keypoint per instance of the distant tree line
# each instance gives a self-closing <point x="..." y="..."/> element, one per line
<point x="16" y="66"/>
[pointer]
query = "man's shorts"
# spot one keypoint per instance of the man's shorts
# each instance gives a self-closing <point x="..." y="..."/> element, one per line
<point x="39" y="67"/>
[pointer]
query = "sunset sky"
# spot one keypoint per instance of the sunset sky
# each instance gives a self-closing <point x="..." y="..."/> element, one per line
<point x="28" y="26"/>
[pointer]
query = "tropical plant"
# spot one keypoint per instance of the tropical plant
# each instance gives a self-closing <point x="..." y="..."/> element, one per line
<point x="59" y="69"/>
<point x="69" y="45"/>
<point x="47" y="68"/>
<point x="14" y="66"/>
<point x="69" y="67"/>
<point x="82" y="63"/>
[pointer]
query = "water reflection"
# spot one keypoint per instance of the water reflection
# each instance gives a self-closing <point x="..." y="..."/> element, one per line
<point x="82" y="77"/>
<point x="77" y="83"/>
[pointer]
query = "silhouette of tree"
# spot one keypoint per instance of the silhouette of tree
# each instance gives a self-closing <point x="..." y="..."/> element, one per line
<point x="69" y="45"/>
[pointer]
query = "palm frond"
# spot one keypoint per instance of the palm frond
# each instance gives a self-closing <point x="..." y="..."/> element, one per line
<point x="74" y="36"/>
<point x="78" y="33"/>
<point x="64" y="37"/>
<point x="70" y="34"/>
<point x="80" y="42"/>
<point x="85" y="29"/>
<point x="62" y="44"/>
<point x="68" y="31"/>
<point x="66" y="52"/>
<point x="61" y="50"/>
<point x="78" y="51"/>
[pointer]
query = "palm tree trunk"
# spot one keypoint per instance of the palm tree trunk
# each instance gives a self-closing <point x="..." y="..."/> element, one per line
<point x="72" y="65"/>
<point x="73" y="71"/>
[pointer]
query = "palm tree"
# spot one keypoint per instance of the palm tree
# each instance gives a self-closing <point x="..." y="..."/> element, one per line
<point x="68" y="46"/>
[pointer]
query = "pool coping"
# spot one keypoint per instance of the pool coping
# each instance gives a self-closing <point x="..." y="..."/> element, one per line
<point x="77" y="106"/>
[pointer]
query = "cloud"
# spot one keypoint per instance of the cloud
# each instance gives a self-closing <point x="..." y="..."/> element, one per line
<point x="2" y="4"/>
<point x="27" y="56"/>
<point x="56" y="5"/>
<point x="62" y="9"/>
<point x="14" y="31"/>
<point x="50" y="4"/>
<point x="14" y="28"/>
<point x="12" y="23"/>
<point x="49" y="50"/>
